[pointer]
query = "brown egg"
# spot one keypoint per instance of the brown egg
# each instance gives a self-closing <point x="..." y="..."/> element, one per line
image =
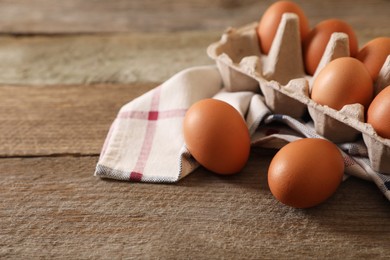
<point x="315" y="43"/>
<point x="378" y="114"/>
<point x="217" y="136"/>
<point x="270" y="20"/>
<point x="374" y="55"/>
<point x="343" y="81"/>
<point x="306" y="172"/>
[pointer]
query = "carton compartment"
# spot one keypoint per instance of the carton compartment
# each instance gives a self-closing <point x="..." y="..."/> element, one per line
<point x="378" y="152"/>
<point x="337" y="126"/>
<point x="238" y="50"/>
<point x="286" y="99"/>
<point x="281" y="78"/>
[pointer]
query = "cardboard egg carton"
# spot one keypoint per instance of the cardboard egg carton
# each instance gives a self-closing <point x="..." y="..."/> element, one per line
<point x="281" y="78"/>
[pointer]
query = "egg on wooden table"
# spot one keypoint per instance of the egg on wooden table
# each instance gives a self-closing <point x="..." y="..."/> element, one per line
<point x="271" y="18"/>
<point x="378" y="114"/>
<point x="341" y="82"/>
<point x="216" y="135"/>
<point x="306" y="172"/>
<point x="315" y="43"/>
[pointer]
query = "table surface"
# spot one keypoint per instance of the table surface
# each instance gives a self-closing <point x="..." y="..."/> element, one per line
<point x="68" y="66"/>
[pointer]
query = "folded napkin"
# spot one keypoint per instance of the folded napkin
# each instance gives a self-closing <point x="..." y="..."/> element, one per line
<point x="145" y="142"/>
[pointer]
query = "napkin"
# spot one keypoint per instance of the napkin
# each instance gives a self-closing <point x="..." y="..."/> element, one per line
<point x="145" y="142"/>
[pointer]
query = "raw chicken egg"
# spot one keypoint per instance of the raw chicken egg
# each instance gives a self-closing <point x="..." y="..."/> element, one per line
<point x="378" y="114"/>
<point x="216" y="135"/>
<point x="306" y="172"/>
<point x="341" y="82"/>
<point x="374" y="55"/>
<point x="270" y="20"/>
<point x="315" y="43"/>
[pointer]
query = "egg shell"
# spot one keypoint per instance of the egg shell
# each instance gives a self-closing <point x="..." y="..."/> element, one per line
<point x="306" y="172"/>
<point x="216" y="135"/>
<point x="316" y="41"/>
<point x="339" y="126"/>
<point x="270" y="20"/>
<point x="342" y="82"/>
<point x="374" y="54"/>
<point x="378" y="114"/>
<point x="383" y="78"/>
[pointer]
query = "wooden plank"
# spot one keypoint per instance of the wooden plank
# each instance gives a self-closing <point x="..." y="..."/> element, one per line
<point x="55" y="208"/>
<point x="80" y="16"/>
<point x="49" y="120"/>
<point x="108" y="16"/>
<point x="52" y="206"/>
<point x="144" y="57"/>
<point x="87" y="59"/>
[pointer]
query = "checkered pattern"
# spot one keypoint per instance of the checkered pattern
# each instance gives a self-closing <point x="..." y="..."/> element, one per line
<point x="145" y="141"/>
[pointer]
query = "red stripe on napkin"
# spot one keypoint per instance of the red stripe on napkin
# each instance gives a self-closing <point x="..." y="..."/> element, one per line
<point x="153" y="115"/>
<point x="148" y="139"/>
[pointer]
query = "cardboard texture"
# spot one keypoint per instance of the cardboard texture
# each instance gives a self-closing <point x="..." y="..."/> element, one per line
<point x="281" y="78"/>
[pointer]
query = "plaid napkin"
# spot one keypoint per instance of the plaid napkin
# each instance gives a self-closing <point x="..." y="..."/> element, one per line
<point x="145" y="141"/>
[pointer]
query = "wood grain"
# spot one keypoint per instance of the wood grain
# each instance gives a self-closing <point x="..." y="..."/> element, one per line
<point x="89" y="59"/>
<point x="143" y="52"/>
<point x="52" y="120"/>
<point x="139" y="56"/>
<point x="68" y="66"/>
<point x="86" y="16"/>
<point x="110" y="58"/>
<point x="55" y="208"/>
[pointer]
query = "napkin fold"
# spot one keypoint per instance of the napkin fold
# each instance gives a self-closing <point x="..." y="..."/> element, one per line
<point x="145" y="142"/>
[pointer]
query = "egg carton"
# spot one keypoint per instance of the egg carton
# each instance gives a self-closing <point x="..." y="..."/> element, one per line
<point x="281" y="78"/>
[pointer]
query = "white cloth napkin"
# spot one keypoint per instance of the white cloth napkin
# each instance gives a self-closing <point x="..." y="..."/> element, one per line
<point x="145" y="142"/>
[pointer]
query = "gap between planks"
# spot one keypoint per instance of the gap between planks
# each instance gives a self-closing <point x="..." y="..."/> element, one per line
<point x="55" y="207"/>
<point x="62" y="119"/>
<point x="75" y="16"/>
<point x="107" y="58"/>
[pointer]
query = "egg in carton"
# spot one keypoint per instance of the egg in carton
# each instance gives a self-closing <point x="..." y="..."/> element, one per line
<point x="281" y="77"/>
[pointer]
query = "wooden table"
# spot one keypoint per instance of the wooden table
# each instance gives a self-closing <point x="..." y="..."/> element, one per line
<point x="66" y="69"/>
